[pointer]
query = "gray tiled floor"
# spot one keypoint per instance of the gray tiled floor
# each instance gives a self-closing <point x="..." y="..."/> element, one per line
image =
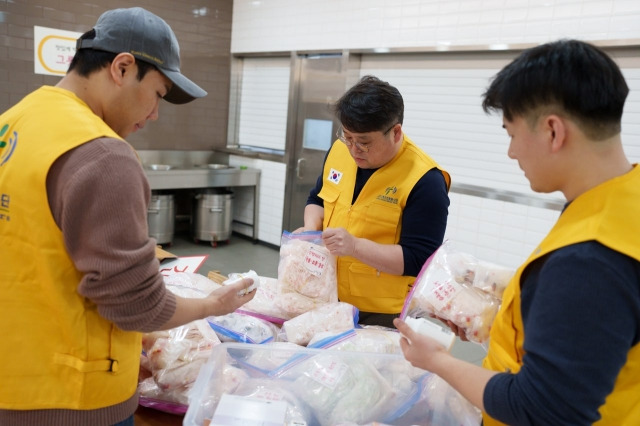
<point x="241" y="254"/>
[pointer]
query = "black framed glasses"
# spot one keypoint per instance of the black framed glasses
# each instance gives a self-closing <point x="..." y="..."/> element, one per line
<point x="362" y="147"/>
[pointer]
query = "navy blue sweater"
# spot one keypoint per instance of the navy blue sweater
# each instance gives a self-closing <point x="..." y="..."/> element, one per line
<point x="424" y="218"/>
<point x="581" y="316"/>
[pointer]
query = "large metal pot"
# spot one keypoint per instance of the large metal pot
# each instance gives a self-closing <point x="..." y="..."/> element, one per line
<point x="161" y="217"/>
<point x="212" y="214"/>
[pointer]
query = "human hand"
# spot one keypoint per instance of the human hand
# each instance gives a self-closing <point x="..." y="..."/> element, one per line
<point x="418" y="349"/>
<point x="458" y="331"/>
<point x="229" y="297"/>
<point x="339" y="241"/>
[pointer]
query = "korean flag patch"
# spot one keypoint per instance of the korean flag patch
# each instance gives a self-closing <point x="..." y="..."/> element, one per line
<point x="334" y="176"/>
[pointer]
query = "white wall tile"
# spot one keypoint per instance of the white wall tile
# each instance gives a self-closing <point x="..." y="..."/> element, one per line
<point x="302" y="25"/>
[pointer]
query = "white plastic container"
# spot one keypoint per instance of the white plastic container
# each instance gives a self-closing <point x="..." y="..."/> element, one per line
<point x="428" y="328"/>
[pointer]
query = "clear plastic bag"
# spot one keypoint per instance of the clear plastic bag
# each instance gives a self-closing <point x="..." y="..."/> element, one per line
<point x="369" y="339"/>
<point x="340" y="388"/>
<point x="171" y="359"/>
<point x="297" y="412"/>
<point x="174" y="358"/>
<point x="238" y="327"/>
<point x="263" y="305"/>
<point x="306" y="273"/>
<point x="451" y="286"/>
<point x="336" y="317"/>
<point x="325" y="387"/>
<point x="440" y="404"/>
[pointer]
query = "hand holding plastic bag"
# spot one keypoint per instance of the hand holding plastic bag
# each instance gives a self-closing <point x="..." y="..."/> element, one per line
<point x="451" y="286"/>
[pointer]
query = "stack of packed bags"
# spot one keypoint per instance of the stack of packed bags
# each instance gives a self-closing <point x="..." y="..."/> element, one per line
<point x="293" y="308"/>
<point x="300" y="311"/>
<point x="287" y="384"/>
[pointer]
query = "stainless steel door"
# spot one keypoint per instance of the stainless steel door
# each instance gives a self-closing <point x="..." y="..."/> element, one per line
<point x="317" y="82"/>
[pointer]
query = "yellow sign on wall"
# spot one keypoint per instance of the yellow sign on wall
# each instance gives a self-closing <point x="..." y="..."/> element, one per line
<point x="53" y="50"/>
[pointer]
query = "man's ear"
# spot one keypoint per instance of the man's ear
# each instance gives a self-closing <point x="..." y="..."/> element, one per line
<point x="122" y="64"/>
<point x="397" y="133"/>
<point x="556" y="127"/>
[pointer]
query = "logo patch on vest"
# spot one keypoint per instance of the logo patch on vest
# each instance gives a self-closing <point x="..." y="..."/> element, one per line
<point x="4" y="207"/>
<point x="334" y="176"/>
<point x="388" y="195"/>
<point x="8" y="142"/>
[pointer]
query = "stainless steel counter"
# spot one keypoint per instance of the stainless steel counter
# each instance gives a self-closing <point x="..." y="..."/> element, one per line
<point x="198" y="177"/>
<point x="202" y="178"/>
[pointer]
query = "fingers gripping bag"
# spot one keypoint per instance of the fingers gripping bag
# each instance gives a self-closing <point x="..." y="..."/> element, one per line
<point x="306" y="273"/>
<point x="445" y="288"/>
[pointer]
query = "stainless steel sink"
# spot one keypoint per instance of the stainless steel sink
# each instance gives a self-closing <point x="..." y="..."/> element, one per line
<point x="159" y="167"/>
<point x="199" y="169"/>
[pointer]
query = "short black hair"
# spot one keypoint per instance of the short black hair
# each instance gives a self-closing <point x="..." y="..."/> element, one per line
<point x="370" y="105"/>
<point x="87" y="61"/>
<point x="569" y="77"/>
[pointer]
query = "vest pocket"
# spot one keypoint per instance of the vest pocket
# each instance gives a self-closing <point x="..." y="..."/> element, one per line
<point x="330" y="197"/>
<point x="382" y="223"/>
<point x="364" y="281"/>
<point x="85" y="366"/>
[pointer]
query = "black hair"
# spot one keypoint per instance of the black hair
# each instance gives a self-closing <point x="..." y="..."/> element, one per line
<point x="87" y="61"/>
<point x="371" y="105"/>
<point x="567" y="77"/>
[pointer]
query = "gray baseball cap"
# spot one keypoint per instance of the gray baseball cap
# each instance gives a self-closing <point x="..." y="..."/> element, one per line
<point x="148" y="38"/>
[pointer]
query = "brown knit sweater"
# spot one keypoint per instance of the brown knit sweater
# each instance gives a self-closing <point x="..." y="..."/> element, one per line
<point x="99" y="195"/>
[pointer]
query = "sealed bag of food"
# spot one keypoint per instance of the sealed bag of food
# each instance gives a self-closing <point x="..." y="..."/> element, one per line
<point x="267" y="389"/>
<point x="486" y="276"/>
<point x="263" y="305"/>
<point x="440" y="404"/>
<point x="452" y="286"/>
<point x="367" y="339"/>
<point x="340" y="389"/>
<point x="174" y="358"/>
<point x="238" y="327"/>
<point x="171" y="359"/>
<point x="306" y="273"/>
<point x="336" y="317"/>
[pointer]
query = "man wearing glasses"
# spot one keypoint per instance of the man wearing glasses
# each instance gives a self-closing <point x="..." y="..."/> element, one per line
<point x="381" y="202"/>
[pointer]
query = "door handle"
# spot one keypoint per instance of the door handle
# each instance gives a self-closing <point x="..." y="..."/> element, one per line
<point x="299" y="165"/>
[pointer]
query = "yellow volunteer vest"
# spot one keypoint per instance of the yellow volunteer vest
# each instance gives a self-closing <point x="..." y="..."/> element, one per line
<point x="376" y="215"/>
<point x="609" y="214"/>
<point x="58" y="352"/>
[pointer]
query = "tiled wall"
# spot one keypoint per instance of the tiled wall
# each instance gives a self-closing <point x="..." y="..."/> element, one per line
<point x="265" y="25"/>
<point x="203" y="31"/>
<point x="497" y="231"/>
<point x="271" y="200"/>
<point x="442" y="90"/>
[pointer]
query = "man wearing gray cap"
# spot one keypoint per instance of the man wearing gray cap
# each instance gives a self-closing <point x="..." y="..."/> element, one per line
<point x="79" y="276"/>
